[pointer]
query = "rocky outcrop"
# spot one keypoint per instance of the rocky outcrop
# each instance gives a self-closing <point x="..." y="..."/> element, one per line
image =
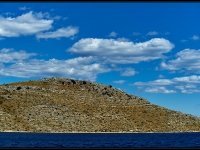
<point x="67" y="105"/>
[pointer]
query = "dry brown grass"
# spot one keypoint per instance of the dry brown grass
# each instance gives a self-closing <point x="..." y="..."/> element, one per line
<point x="58" y="105"/>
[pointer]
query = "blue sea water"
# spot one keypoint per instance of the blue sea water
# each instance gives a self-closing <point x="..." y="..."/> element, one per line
<point x="100" y="140"/>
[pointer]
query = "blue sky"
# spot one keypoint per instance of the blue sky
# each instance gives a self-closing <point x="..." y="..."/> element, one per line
<point x="148" y="49"/>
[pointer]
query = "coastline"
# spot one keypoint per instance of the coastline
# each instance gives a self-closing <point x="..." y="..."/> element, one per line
<point x="75" y="132"/>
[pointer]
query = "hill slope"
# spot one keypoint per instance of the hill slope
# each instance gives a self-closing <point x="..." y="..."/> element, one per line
<point x="65" y="105"/>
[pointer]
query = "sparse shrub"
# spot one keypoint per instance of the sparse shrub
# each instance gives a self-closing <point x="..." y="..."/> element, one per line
<point x="107" y="93"/>
<point x="73" y="81"/>
<point x="84" y="82"/>
<point x="19" y="88"/>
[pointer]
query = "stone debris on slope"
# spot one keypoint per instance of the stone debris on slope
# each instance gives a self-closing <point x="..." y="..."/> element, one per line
<point x="68" y="105"/>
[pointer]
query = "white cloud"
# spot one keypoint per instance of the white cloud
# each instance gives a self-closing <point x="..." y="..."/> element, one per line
<point x="47" y="15"/>
<point x="122" y="52"/>
<point x="187" y="59"/>
<point x="34" y="23"/>
<point x="26" y="24"/>
<point x="10" y="55"/>
<point x="152" y="33"/>
<point x="128" y="72"/>
<point x="113" y="34"/>
<point x="195" y="37"/>
<point x="41" y="15"/>
<point x="188" y="79"/>
<point x="158" y="82"/>
<point x="119" y="81"/>
<point x="78" y="68"/>
<point x="159" y="90"/>
<point x="123" y="39"/>
<point x="60" y="33"/>
<point x="186" y="84"/>
<point x="188" y="89"/>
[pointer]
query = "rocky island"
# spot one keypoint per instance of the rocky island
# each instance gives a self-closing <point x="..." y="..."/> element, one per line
<point x="67" y="105"/>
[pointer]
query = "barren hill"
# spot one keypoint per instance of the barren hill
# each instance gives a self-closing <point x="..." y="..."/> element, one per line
<point x="66" y="105"/>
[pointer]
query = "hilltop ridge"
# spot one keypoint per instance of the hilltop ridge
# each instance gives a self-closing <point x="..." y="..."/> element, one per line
<point x="67" y="105"/>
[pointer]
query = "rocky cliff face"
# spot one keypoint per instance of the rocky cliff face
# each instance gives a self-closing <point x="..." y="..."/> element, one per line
<point x="65" y="105"/>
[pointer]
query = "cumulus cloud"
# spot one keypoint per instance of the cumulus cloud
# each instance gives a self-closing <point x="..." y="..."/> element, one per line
<point x="185" y="84"/>
<point x="78" y="68"/>
<point x="128" y="72"/>
<point x="60" y="33"/>
<point x="188" y="79"/>
<point x="122" y="52"/>
<point x="26" y="24"/>
<point x="187" y="59"/>
<point x="10" y="55"/>
<point x="119" y="81"/>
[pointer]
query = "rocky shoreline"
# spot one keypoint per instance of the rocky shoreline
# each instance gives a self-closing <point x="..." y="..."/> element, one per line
<point x="75" y="132"/>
